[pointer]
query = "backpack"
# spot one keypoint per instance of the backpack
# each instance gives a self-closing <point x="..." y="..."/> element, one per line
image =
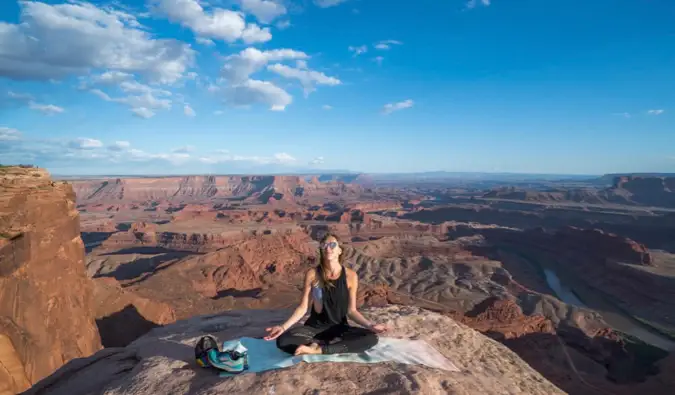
<point x="209" y="355"/>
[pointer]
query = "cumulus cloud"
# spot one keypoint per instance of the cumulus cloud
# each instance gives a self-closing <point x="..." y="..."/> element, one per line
<point x="48" y="109"/>
<point x="143" y="112"/>
<point x="283" y="25"/>
<point x="189" y="111"/>
<point x="219" y="23"/>
<point x="74" y="153"/>
<point x="239" y="67"/>
<point x="9" y="134"/>
<point x="252" y="92"/>
<point x="51" y="41"/>
<point x="265" y="11"/>
<point x="205" y="41"/>
<point x="317" y="161"/>
<point x="392" y="107"/>
<point x="386" y="44"/>
<point x="142" y="99"/>
<point x="119" y="146"/>
<point x="307" y="78"/>
<point x="108" y="78"/>
<point x="358" y="50"/>
<point x="655" y="112"/>
<point x="474" y="3"/>
<point x="20" y="97"/>
<point x="328" y="3"/>
<point x="83" y="143"/>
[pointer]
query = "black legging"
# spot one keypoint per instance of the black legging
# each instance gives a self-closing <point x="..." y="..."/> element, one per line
<point x="352" y="339"/>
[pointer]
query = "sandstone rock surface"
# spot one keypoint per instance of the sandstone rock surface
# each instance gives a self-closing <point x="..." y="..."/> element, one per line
<point x="161" y="362"/>
<point x="46" y="301"/>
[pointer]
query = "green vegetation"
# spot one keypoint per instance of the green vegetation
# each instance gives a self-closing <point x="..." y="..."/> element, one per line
<point x="5" y="235"/>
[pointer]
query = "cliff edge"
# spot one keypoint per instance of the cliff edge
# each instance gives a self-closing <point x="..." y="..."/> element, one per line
<point x="162" y="362"/>
<point x="46" y="299"/>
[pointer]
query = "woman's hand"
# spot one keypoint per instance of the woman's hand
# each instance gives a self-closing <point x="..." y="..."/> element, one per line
<point x="274" y="332"/>
<point x="379" y="328"/>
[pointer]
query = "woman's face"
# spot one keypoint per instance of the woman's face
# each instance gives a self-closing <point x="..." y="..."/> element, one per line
<point x="331" y="248"/>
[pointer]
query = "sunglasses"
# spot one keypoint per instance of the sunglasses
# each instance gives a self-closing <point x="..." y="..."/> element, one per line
<point x="332" y="245"/>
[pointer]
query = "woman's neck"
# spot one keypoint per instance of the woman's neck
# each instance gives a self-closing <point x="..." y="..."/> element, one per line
<point x="333" y="266"/>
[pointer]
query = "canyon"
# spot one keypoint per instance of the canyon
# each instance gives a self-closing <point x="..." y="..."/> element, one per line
<point x="581" y="290"/>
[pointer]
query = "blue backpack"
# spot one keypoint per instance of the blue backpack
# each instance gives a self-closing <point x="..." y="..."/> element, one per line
<point x="209" y="355"/>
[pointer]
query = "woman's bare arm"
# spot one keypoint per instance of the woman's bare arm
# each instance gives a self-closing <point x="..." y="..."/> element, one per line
<point x="303" y="306"/>
<point x="353" y="312"/>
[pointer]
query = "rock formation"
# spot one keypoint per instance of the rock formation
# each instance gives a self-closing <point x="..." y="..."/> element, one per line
<point x="46" y="299"/>
<point x="123" y="316"/>
<point x="162" y="362"/>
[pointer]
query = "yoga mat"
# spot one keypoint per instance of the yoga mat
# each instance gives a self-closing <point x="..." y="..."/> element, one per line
<point x="264" y="355"/>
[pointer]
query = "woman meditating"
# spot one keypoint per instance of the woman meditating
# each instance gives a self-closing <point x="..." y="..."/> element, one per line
<point x="332" y="288"/>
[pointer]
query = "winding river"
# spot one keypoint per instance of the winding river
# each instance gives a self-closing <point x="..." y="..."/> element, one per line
<point x="616" y="320"/>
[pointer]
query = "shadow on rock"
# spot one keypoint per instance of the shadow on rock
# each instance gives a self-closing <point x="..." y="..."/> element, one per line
<point x="135" y="269"/>
<point x="121" y="328"/>
<point x="247" y="293"/>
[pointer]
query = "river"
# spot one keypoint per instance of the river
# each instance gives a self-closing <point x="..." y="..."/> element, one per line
<point x="615" y="319"/>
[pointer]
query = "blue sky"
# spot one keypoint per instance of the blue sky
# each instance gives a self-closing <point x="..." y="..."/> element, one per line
<point x="188" y="86"/>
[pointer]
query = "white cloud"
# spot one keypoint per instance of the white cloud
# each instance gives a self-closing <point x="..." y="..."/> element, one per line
<point x="655" y="112"/>
<point x="48" y="109"/>
<point x="222" y="24"/>
<point x="205" y="41"/>
<point x="358" y="50"/>
<point x="391" y="107"/>
<point x="83" y="143"/>
<point x="19" y="96"/>
<point x="251" y="92"/>
<point x="386" y="44"/>
<point x="378" y="60"/>
<point x="264" y="10"/>
<point x="142" y="99"/>
<point x="283" y="25"/>
<point x="52" y="41"/>
<point x="136" y="87"/>
<point x="119" y="146"/>
<point x="329" y="3"/>
<point x="317" y="161"/>
<point x="307" y="78"/>
<point x="279" y="159"/>
<point x="327" y="107"/>
<point x="189" y="111"/>
<point x="218" y="112"/>
<point x="9" y="134"/>
<point x="474" y="3"/>
<point x="623" y="114"/>
<point x="284" y="158"/>
<point x="110" y="78"/>
<point x="143" y="112"/>
<point x="239" y="67"/>
<point x="301" y="64"/>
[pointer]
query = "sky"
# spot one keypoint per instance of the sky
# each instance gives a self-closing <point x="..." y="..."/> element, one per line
<point x="378" y="86"/>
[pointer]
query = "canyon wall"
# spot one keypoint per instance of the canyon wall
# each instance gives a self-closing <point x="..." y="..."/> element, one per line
<point x="46" y="299"/>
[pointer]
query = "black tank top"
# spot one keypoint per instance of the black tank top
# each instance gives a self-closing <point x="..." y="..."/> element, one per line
<point x="335" y="302"/>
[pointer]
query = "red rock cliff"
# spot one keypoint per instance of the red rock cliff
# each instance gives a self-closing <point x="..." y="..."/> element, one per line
<point x="46" y="299"/>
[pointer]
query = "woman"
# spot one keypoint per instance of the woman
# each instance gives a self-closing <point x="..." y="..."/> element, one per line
<point x="333" y="289"/>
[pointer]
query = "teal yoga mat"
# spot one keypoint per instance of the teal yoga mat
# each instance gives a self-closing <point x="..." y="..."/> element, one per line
<point x="264" y="355"/>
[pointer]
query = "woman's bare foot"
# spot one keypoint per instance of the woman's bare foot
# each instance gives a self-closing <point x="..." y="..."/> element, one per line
<point x="308" y="350"/>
